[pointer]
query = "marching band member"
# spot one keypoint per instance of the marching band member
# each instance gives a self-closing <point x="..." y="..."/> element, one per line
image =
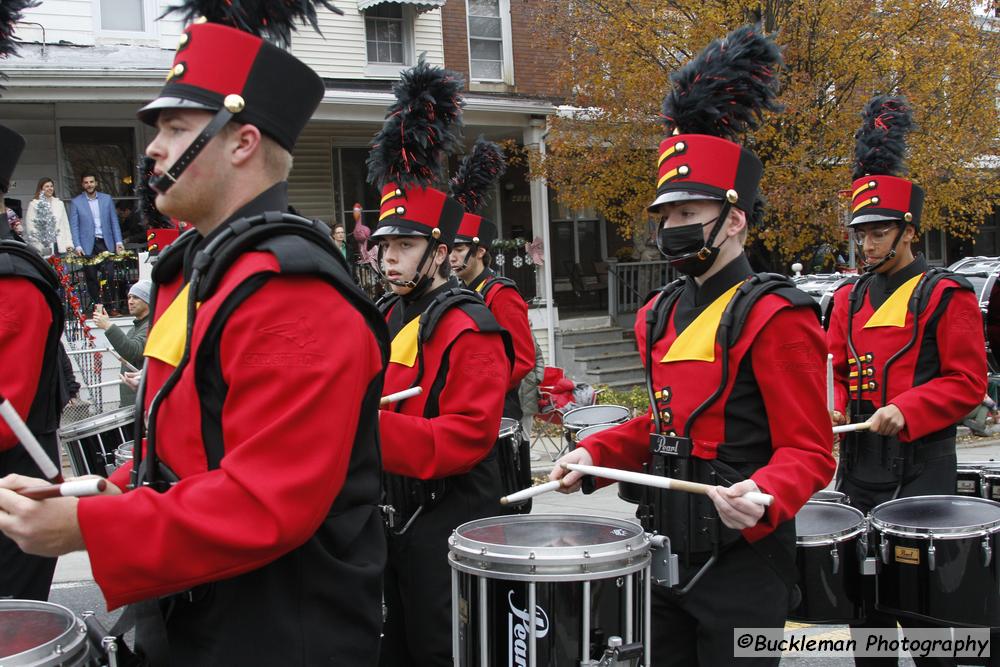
<point x="907" y="342"/>
<point x="253" y="533"/>
<point x="436" y="447"/>
<point x="734" y="368"/>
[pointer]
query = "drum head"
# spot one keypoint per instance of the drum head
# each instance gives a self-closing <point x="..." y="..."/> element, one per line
<point x="591" y="415"/>
<point x="591" y="430"/>
<point x="549" y="547"/>
<point x="829" y="496"/>
<point x="98" y="424"/>
<point x="822" y="522"/>
<point x="940" y="516"/>
<point x="30" y="631"/>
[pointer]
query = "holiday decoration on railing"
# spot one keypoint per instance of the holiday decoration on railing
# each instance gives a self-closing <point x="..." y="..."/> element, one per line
<point x="106" y="256"/>
<point x="70" y="294"/>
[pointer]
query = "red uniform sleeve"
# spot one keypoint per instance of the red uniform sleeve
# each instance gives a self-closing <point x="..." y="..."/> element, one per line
<point x="789" y="361"/>
<point x="836" y="344"/>
<point x="288" y="433"/>
<point x="469" y="409"/>
<point x="961" y="381"/>
<point x="25" y="319"/>
<point x="511" y="312"/>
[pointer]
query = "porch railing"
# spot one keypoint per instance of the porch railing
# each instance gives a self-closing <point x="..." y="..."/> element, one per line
<point x="629" y="283"/>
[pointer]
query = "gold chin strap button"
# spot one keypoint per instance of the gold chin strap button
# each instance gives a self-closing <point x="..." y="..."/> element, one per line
<point x="436" y="233"/>
<point x="732" y="196"/>
<point x="400" y="210"/>
<point x="908" y="216"/>
<point x="475" y="239"/>
<point x="234" y="103"/>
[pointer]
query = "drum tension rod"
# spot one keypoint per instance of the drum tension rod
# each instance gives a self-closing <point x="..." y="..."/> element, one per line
<point x="987" y="552"/>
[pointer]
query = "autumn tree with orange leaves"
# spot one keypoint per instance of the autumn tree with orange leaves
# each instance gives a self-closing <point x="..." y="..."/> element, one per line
<point x="617" y="56"/>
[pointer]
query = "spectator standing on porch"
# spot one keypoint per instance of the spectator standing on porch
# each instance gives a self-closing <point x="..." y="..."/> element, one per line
<point x="46" y="225"/>
<point x="94" y="225"/>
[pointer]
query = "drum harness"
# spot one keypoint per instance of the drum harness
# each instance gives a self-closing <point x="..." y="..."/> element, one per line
<point x="302" y="247"/>
<point x="671" y="454"/>
<point x="406" y="498"/>
<point x="895" y="457"/>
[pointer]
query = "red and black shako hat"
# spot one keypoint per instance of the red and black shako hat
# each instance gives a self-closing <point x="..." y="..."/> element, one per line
<point x="11" y="143"/>
<point x="719" y="95"/>
<point x="471" y="186"/>
<point x="879" y="193"/>
<point x="224" y="64"/>
<point x="422" y="127"/>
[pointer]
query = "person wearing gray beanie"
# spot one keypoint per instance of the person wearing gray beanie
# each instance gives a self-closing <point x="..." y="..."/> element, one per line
<point x="129" y="346"/>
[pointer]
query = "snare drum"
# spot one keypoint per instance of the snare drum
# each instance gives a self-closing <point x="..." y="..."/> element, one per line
<point x="627" y="491"/>
<point x="937" y="557"/>
<point x="514" y="459"/>
<point x="91" y="443"/>
<point x="830" y="496"/>
<point x="41" y="634"/>
<point x="547" y="589"/>
<point x="829" y="552"/>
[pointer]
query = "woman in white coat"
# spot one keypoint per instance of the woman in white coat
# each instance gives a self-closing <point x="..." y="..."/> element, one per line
<point x="46" y="226"/>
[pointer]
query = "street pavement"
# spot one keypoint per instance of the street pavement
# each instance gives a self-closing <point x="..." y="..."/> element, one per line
<point x="74" y="587"/>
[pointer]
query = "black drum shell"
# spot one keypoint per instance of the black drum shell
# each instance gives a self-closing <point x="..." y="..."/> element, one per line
<point x="561" y="605"/>
<point x="960" y="591"/>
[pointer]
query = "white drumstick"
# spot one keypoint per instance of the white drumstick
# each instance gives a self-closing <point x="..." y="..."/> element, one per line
<point x="660" y="482"/>
<point x="531" y="492"/>
<point x="850" y="428"/>
<point x="27" y="439"/>
<point x="829" y="382"/>
<point x="77" y="488"/>
<point x="400" y="395"/>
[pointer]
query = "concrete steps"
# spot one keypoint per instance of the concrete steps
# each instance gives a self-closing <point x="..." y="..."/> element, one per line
<point x="600" y="355"/>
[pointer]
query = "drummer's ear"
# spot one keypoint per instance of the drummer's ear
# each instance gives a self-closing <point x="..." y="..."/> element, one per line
<point x="909" y="234"/>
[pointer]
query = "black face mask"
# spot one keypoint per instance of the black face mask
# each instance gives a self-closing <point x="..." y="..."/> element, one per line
<point x="686" y="249"/>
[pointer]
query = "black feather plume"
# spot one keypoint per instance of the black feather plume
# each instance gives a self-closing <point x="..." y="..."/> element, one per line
<point x="421" y="127"/>
<point x="880" y="142"/>
<point x="727" y="88"/>
<point x="758" y="213"/>
<point x="273" y="19"/>
<point x="150" y="216"/>
<point x="480" y="169"/>
<point x="10" y="14"/>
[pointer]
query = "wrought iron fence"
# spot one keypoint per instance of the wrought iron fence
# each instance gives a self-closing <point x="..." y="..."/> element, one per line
<point x="514" y="263"/>
<point x="629" y="283"/>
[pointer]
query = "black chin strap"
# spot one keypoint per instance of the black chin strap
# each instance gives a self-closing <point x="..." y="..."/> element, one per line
<point x="163" y="182"/>
<point x="420" y="280"/>
<point x="465" y="262"/>
<point x="707" y="248"/>
<point x="890" y="255"/>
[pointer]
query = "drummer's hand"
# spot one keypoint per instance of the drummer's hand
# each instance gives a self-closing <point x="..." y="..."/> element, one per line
<point x="130" y="378"/>
<point x="887" y="420"/>
<point x="572" y="479"/>
<point x="734" y="510"/>
<point x="38" y="527"/>
<point x="838" y="418"/>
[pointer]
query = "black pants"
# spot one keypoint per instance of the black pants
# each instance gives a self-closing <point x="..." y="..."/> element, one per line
<point x="94" y="272"/>
<point x="741" y="590"/>
<point x="937" y="477"/>
<point x="417" y="631"/>
<point x="22" y="576"/>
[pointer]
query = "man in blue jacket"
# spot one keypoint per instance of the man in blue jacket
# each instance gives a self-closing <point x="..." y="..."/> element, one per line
<point x="94" y="225"/>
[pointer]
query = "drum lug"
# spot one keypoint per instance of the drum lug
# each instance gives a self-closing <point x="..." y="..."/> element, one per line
<point x="664" y="568"/>
<point x="619" y="653"/>
<point x="883" y="548"/>
<point x="869" y="566"/>
<point x="931" y="555"/>
<point x="835" y="556"/>
<point x="987" y="552"/>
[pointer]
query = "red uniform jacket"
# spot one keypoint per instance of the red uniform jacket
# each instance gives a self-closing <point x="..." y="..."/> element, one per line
<point x="454" y="423"/>
<point x="288" y="416"/>
<point x="508" y="306"/>
<point x="25" y="319"/>
<point x="943" y="375"/>
<point x="774" y="395"/>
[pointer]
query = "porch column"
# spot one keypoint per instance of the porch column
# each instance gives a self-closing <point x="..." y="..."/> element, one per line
<point x="534" y="138"/>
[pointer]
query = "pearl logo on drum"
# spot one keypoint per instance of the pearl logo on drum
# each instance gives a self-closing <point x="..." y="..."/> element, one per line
<point x="519" y="631"/>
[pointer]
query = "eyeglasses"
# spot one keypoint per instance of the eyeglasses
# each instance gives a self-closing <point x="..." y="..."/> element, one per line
<point x="877" y="236"/>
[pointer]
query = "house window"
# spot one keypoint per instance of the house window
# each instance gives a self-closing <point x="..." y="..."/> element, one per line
<point x="490" y="56"/>
<point x="122" y="15"/>
<point x="385" y="34"/>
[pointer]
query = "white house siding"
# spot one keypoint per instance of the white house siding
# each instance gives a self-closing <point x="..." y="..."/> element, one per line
<point x="310" y="185"/>
<point x="75" y="22"/>
<point x="340" y="52"/>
